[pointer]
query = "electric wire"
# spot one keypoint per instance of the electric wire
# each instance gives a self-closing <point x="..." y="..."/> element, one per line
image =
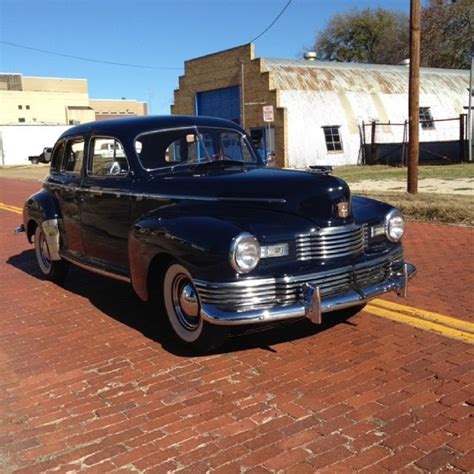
<point x="82" y="58"/>
<point x="272" y="23"/>
<point x="114" y="63"/>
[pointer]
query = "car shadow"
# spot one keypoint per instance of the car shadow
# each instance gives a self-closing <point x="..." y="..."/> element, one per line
<point x="118" y="301"/>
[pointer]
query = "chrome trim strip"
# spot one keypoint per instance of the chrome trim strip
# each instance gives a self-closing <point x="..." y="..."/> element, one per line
<point x="305" y="307"/>
<point x="92" y="269"/>
<point x="140" y="196"/>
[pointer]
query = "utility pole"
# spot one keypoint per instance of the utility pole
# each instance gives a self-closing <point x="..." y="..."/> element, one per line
<point x="242" y="92"/>
<point x="414" y="98"/>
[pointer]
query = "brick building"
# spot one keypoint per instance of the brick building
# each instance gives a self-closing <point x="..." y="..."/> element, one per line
<point x="320" y="108"/>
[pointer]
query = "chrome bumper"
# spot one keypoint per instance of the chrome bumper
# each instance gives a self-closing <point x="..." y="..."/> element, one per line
<point x="312" y="305"/>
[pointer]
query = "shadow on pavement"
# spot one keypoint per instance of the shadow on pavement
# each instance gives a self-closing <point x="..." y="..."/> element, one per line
<point x="118" y="301"/>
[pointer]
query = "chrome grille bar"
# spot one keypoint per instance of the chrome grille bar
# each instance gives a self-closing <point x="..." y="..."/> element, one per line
<point x="332" y="242"/>
<point x="269" y="292"/>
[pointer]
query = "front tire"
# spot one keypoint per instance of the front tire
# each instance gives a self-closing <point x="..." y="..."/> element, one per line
<point x="54" y="270"/>
<point x="182" y="307"/>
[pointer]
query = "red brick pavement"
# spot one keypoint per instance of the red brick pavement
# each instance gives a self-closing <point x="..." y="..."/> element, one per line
<point x="89" y="382"/>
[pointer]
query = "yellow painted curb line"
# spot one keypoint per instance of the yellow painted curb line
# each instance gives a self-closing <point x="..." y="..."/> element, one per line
<point x="421" y="324"/>
<point x="427" y="315"/>
<point x="6" y="207"/>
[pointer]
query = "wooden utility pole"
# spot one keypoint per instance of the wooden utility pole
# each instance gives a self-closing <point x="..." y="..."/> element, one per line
<point x="414" y="98"/>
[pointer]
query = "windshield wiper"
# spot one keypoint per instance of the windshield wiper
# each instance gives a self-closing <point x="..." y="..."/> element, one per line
<point x="223" y="163"/>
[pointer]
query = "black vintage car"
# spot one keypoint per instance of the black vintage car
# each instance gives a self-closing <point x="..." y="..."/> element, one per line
<point x="184" y="209"/>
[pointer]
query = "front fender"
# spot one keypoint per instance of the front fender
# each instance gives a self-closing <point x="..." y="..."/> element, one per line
<point x="200" y="243"/>
<point x="369" y="211"/>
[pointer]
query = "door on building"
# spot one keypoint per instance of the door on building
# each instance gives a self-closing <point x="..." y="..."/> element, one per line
<point x="259" y="140"/>
<point x="223" y="103"/>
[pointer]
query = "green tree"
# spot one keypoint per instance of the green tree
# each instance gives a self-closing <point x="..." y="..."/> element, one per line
<point x="367" y="36"/>
<point x="446" y="34"/>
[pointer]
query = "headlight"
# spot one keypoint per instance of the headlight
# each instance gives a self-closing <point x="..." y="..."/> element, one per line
<point x="244" y="253"/>
<point x="394" y="225"/>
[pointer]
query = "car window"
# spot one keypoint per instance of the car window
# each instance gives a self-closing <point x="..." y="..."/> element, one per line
<point x="107" y="157"/>
<point x="57" y="156"/>
<point x="73" y="156"/>
<point x="170" y="147"/>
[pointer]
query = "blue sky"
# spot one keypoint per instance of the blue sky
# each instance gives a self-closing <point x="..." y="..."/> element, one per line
<point x="159" y="33"/>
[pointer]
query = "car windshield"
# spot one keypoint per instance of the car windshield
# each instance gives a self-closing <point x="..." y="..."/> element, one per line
<point x="192" y="146"/>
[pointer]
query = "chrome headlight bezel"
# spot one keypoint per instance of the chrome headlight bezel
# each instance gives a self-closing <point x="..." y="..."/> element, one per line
<point x="237" y="248"/>
<point x="394" y="225"/>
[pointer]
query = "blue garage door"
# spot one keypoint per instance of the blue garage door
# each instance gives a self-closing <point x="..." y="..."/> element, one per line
<point x="223" y="103"/>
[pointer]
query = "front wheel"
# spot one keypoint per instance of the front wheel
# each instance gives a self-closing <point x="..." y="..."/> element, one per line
<point x="54" y="270"/>
<point x="182" y="307"/>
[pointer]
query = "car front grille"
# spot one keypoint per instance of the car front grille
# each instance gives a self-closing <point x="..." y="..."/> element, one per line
<point x="332" y="242"/>
<point x="269" y="292"/>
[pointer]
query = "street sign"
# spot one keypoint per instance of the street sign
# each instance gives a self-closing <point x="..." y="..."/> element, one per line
<point x="268" y="113"/>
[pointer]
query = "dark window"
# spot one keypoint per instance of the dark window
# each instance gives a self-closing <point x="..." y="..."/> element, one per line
<point x="426" y="119"/>
<point x="57" y="156"/>
<point x="333" y="138"/>
<point x="74" y="156"/>
<point x="107" y="157"/>
<point x="21" y="119"/>
<point x="27" y="107"/>
<point x="20" y="107"/>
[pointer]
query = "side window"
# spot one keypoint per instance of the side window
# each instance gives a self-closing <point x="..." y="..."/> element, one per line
<point x="73" y="156"/>
<point x="426" y="118"/>
<point x="57" y="156"/>
<point x="333" y="138"/>
<point x="107" y="158"/>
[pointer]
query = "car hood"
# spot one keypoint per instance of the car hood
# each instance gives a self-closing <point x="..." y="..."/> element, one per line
<point x="306" y="194"/>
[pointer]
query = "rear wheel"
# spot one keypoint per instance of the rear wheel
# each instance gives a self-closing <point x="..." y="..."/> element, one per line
<point x="54" y="270"/>
<point x="182" y="307"/>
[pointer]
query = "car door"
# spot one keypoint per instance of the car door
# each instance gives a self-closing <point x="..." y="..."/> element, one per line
<point x="105" y="206"/>
<point x="64" y="183"/>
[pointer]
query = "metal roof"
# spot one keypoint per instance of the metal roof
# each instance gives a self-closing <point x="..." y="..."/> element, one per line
<point x="330" y="76"/>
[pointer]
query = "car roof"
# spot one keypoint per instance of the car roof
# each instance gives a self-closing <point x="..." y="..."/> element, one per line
<point x="132" y="126"/>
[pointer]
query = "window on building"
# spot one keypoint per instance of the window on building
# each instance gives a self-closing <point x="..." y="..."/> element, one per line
<point x="333" y="138"/>
<point x="21" y="119"/>
<point x="27" y="107"/>
<point x="20" y="107"/>
<point x="426" y="119"/>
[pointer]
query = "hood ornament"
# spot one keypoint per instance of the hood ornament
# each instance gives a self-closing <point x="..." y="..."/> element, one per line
<point x="342" y="209"/>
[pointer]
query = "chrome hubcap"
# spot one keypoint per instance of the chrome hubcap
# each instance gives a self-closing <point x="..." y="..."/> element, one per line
<point x="185" y="302"/>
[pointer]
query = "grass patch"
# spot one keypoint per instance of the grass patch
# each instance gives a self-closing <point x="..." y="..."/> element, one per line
<point x="442" y="208"/>
<point x="379" y="172"/>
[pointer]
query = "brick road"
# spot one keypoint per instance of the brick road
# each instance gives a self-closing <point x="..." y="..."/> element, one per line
<point x="89" y="382"/>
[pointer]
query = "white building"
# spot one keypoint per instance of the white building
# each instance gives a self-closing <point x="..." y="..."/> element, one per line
<point x="320" y="107"/>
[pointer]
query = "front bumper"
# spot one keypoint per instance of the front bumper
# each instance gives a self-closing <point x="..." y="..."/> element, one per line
<point x="312" y="304"/>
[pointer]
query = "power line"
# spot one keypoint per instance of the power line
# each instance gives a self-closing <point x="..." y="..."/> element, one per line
<point x="272" y="23"/>
<point x="92" y="60"/>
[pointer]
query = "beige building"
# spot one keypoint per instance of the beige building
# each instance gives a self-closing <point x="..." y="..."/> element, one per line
<point x="106" y="109"/>
<point x="321" y="109"/>
<point x="58" y="101"/>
